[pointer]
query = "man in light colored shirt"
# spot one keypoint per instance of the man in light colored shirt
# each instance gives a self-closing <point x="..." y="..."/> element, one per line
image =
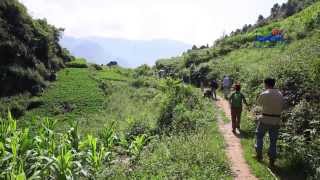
<point x="271" y="101"/>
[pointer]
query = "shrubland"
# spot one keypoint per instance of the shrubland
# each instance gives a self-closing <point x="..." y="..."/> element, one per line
<point x="295" y="65"/>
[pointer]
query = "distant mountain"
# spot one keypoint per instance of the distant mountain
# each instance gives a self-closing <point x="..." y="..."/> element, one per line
<point x="128" y="53"/>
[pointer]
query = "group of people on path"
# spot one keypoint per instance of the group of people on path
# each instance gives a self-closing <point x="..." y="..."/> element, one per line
<point x="270" y="100"/>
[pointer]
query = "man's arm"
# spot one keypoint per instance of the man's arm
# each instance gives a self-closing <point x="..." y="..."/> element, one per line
<point x="244" y="100"/>
<point x="259" y="100"/>
<point x="230" y="98"/>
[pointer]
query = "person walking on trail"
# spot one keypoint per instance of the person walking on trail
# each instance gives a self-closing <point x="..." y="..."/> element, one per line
<point x="214" y="87"/>
<point x="236" y="100"/>
<point x="271" y="101"/>
<point x="226" y="84"/>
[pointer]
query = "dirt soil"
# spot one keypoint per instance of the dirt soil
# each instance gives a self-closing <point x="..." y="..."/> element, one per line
<point x="234" y="150"/>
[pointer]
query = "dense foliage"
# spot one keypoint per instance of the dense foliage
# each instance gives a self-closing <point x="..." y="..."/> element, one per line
<point x="153" y="128"/>
<point x="29" y="49"/>
<point x="294" y="64"/>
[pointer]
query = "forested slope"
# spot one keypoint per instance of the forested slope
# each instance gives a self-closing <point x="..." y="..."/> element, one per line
<point x="29" y="50"/>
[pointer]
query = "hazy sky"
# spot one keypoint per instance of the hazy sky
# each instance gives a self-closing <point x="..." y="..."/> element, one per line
<point x="191" y="21"/>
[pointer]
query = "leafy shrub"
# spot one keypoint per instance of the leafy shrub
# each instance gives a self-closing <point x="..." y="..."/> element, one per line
<point x="143" y="70"/>
<point x="105" y="87"/>
<point x="137" y="128"/>
<point x="34" y="103"/>
<point x="301" y="138"/>
<point x="78" y="63"/>
<point x="180" y="109"/>
<point x="16" y="104"/>
<point x="301" y="35"/>
<point x="139" y="82"/>
<point x="97" y="67"/>
<point x="29" y="51"/>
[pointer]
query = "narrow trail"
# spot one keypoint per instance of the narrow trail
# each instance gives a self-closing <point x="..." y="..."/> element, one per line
<point x="234" y="150"/>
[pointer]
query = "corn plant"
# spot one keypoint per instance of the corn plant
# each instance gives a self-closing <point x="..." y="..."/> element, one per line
<point x="123" y="142"/>
<point x="73" y="135"/>
<point x="108" y="136"/>
<point x="63" y="164"/>
<point x="7" y="127"/>
<point x="95" y="155"/>
<point x="49" y="154"/>
<point x="17" y="174"/>
<point x="137" y="144"/>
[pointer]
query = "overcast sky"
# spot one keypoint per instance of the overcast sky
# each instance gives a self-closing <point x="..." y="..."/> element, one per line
<point x="191" y="21"/>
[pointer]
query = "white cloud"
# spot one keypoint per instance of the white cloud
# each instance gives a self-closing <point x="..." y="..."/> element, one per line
<point x="191" y="21"/>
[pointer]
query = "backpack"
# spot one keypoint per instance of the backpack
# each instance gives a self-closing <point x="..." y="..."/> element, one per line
<point x="236" y="99"/>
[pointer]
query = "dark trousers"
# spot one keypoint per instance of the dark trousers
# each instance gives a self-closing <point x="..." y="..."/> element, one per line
<point x="236" y="117"/>
<point x="214" y="94"/>
<point x="273" y="136"/>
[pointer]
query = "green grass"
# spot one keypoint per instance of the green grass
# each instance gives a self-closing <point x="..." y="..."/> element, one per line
<point x="91" y="107"/>
<point x="128" y="105"/>
<point x="76" y="87"/>
<point x="113" y="74"/>
<point x="185" y="156"/>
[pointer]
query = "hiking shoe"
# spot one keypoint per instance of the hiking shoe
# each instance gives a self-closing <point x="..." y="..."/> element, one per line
<point x="271" y="163"/>
<point x="234" y="131"/>
<point x="259" y="157"/>
<point x="239" y="129"/>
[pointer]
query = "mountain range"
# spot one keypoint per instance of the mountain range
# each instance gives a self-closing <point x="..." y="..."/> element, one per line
<point x="128" y="53"/>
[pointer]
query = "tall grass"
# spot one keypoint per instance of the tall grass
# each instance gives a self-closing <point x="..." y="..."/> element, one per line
<point x="112" y="128"/>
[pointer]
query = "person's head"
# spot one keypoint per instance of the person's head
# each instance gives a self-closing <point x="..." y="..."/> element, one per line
<point x="269" y="83"/>
<point x="237" y="87"/>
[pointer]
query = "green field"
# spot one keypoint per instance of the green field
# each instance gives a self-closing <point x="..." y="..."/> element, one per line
<point x="147" y="128"/>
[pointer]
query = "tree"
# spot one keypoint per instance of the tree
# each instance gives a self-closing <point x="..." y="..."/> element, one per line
<point x="275" y="11"/>
<point x="261" y="20"/>
<point x="194" y="47"/>
<point x="246" y="27"/>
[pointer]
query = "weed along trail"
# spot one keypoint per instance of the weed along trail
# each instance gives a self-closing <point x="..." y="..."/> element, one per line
<point x="234" y="150"/>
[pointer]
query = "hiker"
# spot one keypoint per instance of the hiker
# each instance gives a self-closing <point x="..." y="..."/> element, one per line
<point x="236" y="99"/>
<point x="271" y="101"/>
<point x="202" y="86"/>
<point x="226" y="84"/>
<point x="214" y="87"/>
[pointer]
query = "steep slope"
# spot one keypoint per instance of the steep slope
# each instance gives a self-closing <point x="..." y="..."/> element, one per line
<point x="296" y="66"/>
<point x="29" y="49"/>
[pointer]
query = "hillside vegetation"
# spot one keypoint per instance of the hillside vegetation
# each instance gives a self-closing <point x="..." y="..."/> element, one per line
<point x="29" y="50"/>
<point x="114" y="123"/>
<point x="62" y="118"/>
<point x="295" y="65"/>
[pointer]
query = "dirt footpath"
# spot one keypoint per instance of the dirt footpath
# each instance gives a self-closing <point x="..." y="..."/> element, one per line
<point x="234" y="150"/>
